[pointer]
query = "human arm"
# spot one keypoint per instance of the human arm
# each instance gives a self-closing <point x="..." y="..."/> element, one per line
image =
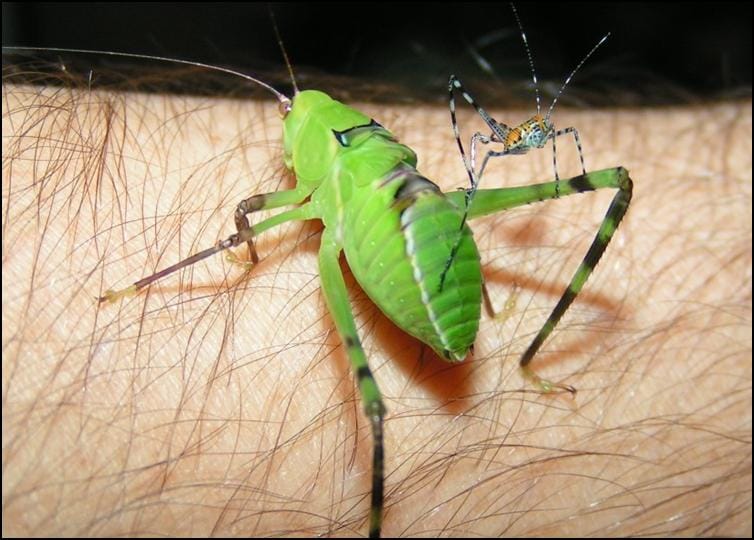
<point x="222" y="403"/>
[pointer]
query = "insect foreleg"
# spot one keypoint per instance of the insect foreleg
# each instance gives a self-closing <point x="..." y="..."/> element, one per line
<point x="245" y="235"/>
<point x="265" y="201"/>
<point x="336" y="296"/>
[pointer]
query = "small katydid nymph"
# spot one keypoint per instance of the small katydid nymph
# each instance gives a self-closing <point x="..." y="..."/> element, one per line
<point x="400" y="236"/>
<point x="530" y="134"/>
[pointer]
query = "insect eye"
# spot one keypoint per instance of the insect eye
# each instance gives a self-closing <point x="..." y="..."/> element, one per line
<point x="284" y="108"/>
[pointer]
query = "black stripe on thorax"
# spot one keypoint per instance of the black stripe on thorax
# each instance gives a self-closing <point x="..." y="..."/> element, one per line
<point x="346" y="137"/>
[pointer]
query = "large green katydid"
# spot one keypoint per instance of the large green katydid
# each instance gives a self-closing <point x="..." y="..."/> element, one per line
<point x="397" y="230"/>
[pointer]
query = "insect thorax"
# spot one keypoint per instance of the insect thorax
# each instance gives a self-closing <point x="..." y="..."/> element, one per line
<point x="532" y="133"/>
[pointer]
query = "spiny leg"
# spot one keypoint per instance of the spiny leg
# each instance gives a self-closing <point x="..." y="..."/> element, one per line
<point x="263" y="201"/>
<point x="246" y="235"/>
<point x="489" y="201"/>
<point x="336" y="296"/>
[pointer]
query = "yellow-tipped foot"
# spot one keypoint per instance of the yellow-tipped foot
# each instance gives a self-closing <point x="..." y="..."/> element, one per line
<point x="510" y="304"/>
<point x="113" y="296"/>
<point x="545" y="386"/>
<point x="232" y="258"/>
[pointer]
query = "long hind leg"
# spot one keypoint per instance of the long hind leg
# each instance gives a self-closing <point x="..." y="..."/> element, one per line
<point x="490" y="201"/>
<point x="336" y="296"/>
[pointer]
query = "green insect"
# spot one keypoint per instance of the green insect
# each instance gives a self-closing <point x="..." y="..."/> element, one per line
<point x="400" y="236"/>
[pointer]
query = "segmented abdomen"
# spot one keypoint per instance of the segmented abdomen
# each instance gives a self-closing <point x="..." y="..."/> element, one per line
<point x="398" y="235"/>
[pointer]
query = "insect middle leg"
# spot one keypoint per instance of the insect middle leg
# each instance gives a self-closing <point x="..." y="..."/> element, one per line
<point x="264" y="201"/>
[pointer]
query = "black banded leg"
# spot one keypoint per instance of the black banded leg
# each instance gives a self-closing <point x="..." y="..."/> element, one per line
<point x="575" y="133"/>
<point x="470" y="194"/>
<point x="498" y="131"/>
<point x="336" y="296"/>
<point x="490" y="201"/>
<point x="613" y="217"/>
<point x="264" y="201"/>
<point x="555" y="168"/>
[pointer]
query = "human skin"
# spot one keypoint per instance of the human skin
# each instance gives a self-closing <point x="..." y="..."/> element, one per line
<point x="221" y="402"/>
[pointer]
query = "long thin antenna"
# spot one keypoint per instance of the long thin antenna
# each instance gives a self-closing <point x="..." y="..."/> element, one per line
<point x="528" y="53"/>
<point x="282" y="48"/>
<point x="554" y="101"/>
<point x="282" y="98"/>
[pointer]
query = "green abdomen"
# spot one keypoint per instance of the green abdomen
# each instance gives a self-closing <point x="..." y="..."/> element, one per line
<point x="398" y="235"/>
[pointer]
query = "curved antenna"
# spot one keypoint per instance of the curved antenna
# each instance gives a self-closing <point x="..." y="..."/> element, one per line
<point x="282" y="98"/>
<point x="554" y="101"/>
<point x="528" y="53"/>
<point x="282" y="49"/>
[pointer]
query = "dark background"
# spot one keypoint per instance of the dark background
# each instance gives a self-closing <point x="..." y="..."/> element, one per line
<point x="657" y="52"/>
